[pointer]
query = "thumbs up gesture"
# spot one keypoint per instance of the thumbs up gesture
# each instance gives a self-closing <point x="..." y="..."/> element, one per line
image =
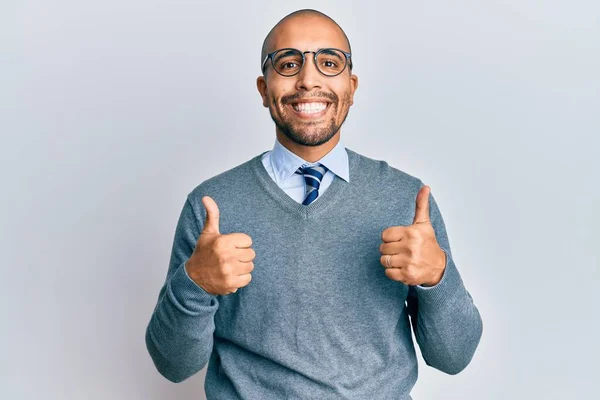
<point x="411" y="254"/>
<point x="220" y="264"/>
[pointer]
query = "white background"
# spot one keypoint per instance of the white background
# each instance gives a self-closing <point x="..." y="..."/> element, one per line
<point x="111" y="112"/>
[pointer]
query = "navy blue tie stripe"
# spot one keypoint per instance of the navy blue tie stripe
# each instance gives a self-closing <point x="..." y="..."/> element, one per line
<point x="313" y="175"/>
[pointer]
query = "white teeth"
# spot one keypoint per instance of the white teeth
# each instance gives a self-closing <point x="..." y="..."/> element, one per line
<point x="309" y="108"/>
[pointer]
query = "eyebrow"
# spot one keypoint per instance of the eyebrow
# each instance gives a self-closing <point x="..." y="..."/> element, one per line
<point x="284" y="54"/>
<point x="331" y="53"/>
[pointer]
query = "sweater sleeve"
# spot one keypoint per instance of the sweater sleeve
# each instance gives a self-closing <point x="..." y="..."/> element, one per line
<point x="446" y="322"/>
<point x="179" y="336"/>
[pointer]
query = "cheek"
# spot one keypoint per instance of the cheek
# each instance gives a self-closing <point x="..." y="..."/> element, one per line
<point x="349" y="99"/>
<point x="344" y="102"/>
<point x="273" y="103"/>
<point x="276" y="107"/>
<point x="343" y="92"/>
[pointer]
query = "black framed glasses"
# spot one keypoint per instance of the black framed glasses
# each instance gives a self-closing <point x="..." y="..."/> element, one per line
<point x="289" y="62"/>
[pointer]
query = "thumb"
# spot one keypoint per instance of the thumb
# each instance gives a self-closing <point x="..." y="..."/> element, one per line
<point x="211" y="224"/>
<point x="422" y="207"/>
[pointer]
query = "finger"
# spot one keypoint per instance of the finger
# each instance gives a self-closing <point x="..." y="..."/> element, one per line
<point x="211" y="224"/>
<point x="240" y="240"/>
<point x="392" y="247"/>
<point x="398" y="275"/>
<point x="393" y="233"/>
<point x="422" y="206"/>
<point x="245" y="254"/>
<point x="393" y="261"/>
<point x="243" y="280"/>
<point x="243" y="268"/>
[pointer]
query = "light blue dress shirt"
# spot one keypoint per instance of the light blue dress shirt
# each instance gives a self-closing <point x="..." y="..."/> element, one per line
<point x="281" y="164"/>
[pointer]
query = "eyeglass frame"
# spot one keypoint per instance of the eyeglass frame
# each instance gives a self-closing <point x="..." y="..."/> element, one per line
<point x="270" y="55"/>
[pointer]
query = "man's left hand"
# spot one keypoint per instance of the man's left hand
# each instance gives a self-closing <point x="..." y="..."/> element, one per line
<point x="416" y="259"/>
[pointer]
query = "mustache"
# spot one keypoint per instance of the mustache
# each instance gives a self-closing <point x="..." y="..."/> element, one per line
<point x="297" y="97"/>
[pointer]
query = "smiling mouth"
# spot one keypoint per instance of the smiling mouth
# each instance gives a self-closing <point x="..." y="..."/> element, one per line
<point x="311" y="110"/>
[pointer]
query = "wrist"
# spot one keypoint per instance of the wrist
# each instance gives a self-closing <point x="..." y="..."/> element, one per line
<point x="440" y="272"/>
<point x="190" y="271"/>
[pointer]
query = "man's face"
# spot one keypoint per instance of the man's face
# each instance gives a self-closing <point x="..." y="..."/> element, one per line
<point x="292" y="101"/>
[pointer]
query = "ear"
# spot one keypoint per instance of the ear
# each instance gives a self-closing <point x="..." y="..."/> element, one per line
<point x="261" y="85"/>
<point x="353" y="87"/>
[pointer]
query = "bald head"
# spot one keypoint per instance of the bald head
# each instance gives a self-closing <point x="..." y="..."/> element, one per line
<point x="300" y="14"/>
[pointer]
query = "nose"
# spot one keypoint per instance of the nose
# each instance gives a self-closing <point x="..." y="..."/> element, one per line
<point x="309" y="76"/>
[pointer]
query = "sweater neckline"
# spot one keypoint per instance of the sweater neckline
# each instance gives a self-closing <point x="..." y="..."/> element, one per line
<point x="328" y="197"/>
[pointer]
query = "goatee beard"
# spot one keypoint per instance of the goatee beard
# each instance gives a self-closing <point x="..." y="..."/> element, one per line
<point x="300" y="136"/>
<point x="315" y="138"/>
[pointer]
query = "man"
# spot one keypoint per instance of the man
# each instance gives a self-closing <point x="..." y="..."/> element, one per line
<point x="294" y="274"/>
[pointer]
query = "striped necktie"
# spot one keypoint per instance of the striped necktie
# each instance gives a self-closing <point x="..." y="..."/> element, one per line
<point x="313" y="175"/>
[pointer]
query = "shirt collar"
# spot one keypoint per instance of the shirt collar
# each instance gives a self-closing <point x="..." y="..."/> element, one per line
<point x="285" y="163"/>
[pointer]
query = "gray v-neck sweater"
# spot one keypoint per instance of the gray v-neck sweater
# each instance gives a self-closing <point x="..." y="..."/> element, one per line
<point x="319" y="319"/>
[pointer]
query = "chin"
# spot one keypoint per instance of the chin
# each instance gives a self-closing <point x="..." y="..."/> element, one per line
<point x="313" y="138"/>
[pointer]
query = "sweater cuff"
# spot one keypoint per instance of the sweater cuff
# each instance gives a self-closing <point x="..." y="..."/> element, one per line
<point x="445" y="291"/>
<point x="187" y="293"/>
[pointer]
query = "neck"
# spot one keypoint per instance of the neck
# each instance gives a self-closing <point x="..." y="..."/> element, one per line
<point x="308" y="153"/>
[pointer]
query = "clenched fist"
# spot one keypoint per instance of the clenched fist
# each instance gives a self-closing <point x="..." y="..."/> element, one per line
<point x="220" y="264"/>
<point x="411" y="254"/>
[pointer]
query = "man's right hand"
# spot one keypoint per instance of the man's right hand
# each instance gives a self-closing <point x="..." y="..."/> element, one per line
<point x="220" y="264"/>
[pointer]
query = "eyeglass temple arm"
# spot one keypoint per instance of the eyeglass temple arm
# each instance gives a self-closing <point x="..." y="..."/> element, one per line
<point x="262" y="68"/>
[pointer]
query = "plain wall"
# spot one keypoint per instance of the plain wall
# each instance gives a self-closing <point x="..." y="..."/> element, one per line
<point x="111" y="112"/>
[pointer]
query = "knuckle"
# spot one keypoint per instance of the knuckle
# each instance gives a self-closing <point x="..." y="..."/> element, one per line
<point x="219" y="243"/>
<point x="226" y="269"/>
<point x="221" y="258"/>
<point x="410" y="265"/>
<point x="229" y="282"/>
<point x="410" y="275"/>
<point x="391" y="273"/>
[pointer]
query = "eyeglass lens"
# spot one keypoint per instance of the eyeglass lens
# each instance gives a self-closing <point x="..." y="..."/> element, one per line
<point x="329" y="61"/>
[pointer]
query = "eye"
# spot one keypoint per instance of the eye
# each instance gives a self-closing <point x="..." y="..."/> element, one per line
<point x="288" y="64"/>
<point x="329" y="63"/>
